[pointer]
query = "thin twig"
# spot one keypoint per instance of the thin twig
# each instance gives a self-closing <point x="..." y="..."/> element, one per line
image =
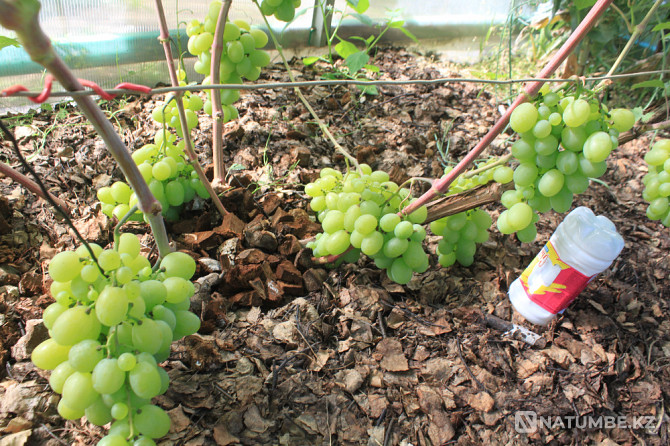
<point x="302" y="98"/>
<point x="467" y="368"/>
<point x="174" y="79"/>
<point x="217" y="109"/>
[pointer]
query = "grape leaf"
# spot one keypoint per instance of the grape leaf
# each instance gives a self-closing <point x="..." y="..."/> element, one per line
<point x="409" y="34"/>
<point x="372" y="68"/>
<point x="359" y="5"/>
<point x="365" y="20"/>
<point x="357" y="61"/>
<point x="661" y="26"/>
<point x="583" y="4"/>
<point x="8" y="41"/>
<point x="368" y="89"/>
<point x="345" y="49"/>
<point x="397" y="24"/>
<point x="310" y="60"/>
<point x="654" y="83"/>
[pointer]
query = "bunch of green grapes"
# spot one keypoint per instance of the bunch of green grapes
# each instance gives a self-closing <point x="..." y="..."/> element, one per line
<point x="565" y="140"/>
<point x="463" y="231"/>
<point x="657" y="182"/>
<point x="112" y="323"/>
<point x="171" y="179"/>
<point x="359" y="214"/>
<point x="167" y="114"/>
<point x="242" y="56"/>
<point x="460" y="234"/>
<point x="283" y="10"/>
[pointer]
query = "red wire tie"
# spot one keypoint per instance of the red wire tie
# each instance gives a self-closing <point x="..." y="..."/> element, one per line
<point x="43" y="96"/>
<point x="48" y="82"/>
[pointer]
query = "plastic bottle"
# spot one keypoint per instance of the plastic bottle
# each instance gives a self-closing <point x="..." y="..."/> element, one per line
<point x="582" y="246"/>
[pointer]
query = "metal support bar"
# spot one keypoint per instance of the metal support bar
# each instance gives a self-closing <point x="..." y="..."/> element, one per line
<point x="317" y="34"/>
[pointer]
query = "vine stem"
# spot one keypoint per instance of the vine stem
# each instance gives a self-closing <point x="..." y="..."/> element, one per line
<point x="174" y="80"/>
<point x="635" y="34"/>
<point x="21" y="16"/>
<point x="29" y="184"/>
<point x="307" y="105"/>
<point x="442" y="185"/>
<point x="501" y="160"/>
<point x="217" y="109"/>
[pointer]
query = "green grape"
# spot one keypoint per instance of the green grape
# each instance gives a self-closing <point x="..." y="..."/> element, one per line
<point x="469" y="231"/>
<point x="73" y="326"/>
<point x="567" y="162"/>
<point x="107" y="377"/>
<point x="285" y="11"/>
<point x="78" y="391"/>
<point x="524" y="150"/>
<point x="113" y="440"/>
<point x="546" y="162"/>
<point x="98" y="413"/>
<point x="109" y="260"/>
<point x="187" y="324"/>
<point x="656" y="156"/>
<point x="145" y="336"/>
<point x="68" y="413"/>
<point x="573" y="138"/>
<point x="400" y="272"/>
<point x="84" y="355"/>
<point x="260" y="38"/>
<point x="551" y="183"/>
<point x="523" y="118"/>
<point x="555" y="119"/>
<point x="503" y="174"/>
<point x="356" y="239"/>
<point x="174" y="193"/>
<point x="119" y="411"/>
<point x="145" y="380"/>
<point x="152" y="421"/>
<point x="419" y="233"/>
<point x="65" y="266"/>
<point x="248" y="42"/>
<point x="403" y="230"/>
<point x="414" y="255"/>
<point x="231" y="32"/>
<point x="370" y="207"/>
<point x="166" y="336"/>
<point x="350" y="217"/>
<point x="178" y="264"/>
<point x="259" y="58"/>
<point x="510" y="197"/>
<point x="540" y="203"/>
<point x="446" y="260"/>
<point x="338" y="242"/>
<point x="503" y="225"/>
<point x="372" y="243"/>
<point x="333" y="222"/>
<point x="576" y="183"/>
<point x="542" y="128"/>
<point x="111" y="306"/>
<point x="546" y="146"/>
<point x="383" y="262"/>
<point x="658" y="207"/>
<point x="527" y="234"/>
<point x="58" y="376"/>
<point x="576" y="113"/>
<point x="126" y="361"/>
<point x="597" y="147"/>
<point x="519" y="216"/>
<point x="395" y="247"/>
<point x="591" y="169"/>
<point x="525" y="174"/>
<point x="418" y="216"/>
<point x="121" y="192"/>
<point x="562" y="201"/>
<point x="104" y="194"/>
<point x="235" y="51"/>
<point x="51" y="313"/>
<point x="365" y="224"/>
<point x="622" y="119"/>
<point x="177" y="289"/>
<point x="144" y="441"/>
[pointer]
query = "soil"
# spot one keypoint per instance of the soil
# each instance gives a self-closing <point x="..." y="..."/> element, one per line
<point x="294" y="353"/>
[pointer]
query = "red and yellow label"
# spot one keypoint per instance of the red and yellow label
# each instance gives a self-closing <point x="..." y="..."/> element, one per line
<point x="550" y="282"/>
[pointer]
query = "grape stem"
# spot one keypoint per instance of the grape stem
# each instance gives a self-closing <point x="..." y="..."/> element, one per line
<point x="442" y="185"/>
<point x="117" y="228"/>
<point x="164" y="38"/>
<point x="302" y="98"/>
<point x="41" y="190"/>
<point x="635" y="34"/>
<point x="500" y="161"/>
<point x="21" y="16"/>
<point x="217" y="109"/>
